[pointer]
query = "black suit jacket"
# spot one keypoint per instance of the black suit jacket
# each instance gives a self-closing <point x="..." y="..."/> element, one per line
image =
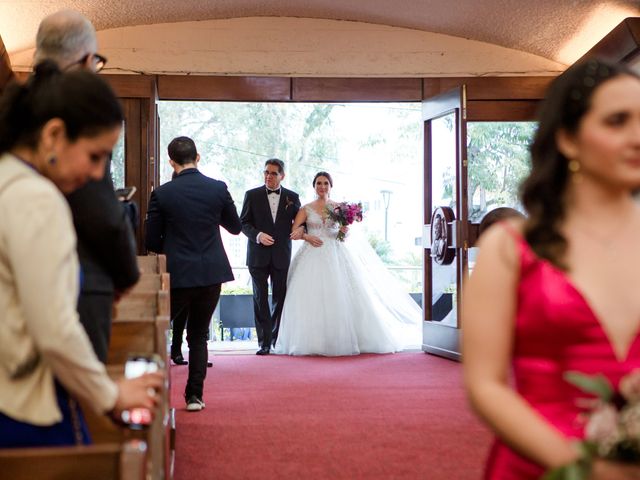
<point x="183" y="221"/>
<point x="106" y="244"/>
<point x="256" y="217"/>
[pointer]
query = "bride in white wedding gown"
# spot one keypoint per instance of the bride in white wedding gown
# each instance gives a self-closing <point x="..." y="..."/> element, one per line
<point x="341" y="300"/>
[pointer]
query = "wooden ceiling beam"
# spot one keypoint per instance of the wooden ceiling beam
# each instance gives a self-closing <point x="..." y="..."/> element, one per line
<point x="621" y="44"/>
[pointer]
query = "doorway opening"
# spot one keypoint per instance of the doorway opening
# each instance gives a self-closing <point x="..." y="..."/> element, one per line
<point x="372" y="150"/>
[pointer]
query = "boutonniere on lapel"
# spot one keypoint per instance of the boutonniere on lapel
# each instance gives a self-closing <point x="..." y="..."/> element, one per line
<point x="287" y="202"/>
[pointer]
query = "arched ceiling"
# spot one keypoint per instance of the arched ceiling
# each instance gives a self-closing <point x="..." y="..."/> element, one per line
<point x="559" y="30"/>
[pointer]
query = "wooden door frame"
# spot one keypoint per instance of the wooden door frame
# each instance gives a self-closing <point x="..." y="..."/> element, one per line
<point x="444" y="340"/>
<point x="488" y="99"/>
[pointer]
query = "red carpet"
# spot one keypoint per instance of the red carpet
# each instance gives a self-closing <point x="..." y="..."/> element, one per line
<point x="401" y="416"/>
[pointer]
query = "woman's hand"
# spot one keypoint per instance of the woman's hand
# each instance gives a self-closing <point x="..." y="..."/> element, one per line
<point x="606" y="470"/>
<point x="139" y="392"/>
<point x="313" y="240"/>
<point x="344" y="229"/>
<point x="297" y="233"/>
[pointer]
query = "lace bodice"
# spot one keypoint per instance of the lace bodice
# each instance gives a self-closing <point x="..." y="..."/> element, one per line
<point x="320" y="225"/>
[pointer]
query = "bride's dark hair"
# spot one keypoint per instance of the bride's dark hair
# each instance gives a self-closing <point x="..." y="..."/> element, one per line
<point x="322" y="174"/>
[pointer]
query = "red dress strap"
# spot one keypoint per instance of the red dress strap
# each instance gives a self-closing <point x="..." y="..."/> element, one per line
<point x="527" y="255"/>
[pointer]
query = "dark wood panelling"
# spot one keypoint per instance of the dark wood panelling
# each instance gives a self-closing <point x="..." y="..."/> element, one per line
<point x="490" y="88"/>
<point x="357" y="89"/>
<point x="147" y="169"/>
<point x="259" y="89"/>
<point x="21" y="76"/>
<point x="130" y="86"/>
<point x="504" y="111"/>
<point x="620" y="44"/>
<point x="6" y="72"/>
<point x="135" y="161"/>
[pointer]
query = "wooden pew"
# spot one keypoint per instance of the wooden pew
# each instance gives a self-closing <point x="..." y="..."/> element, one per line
<point x="152" y="263"/>
<point x="109" y="461"/>
<point x="157" y="436"/>
<point x="140" y="326"/>
<point x="140" y="304"/>
<point x="138" y="335"/>
<point x="152" y="281"/>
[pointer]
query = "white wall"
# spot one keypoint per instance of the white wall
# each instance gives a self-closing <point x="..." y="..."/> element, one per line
<point x="282" y="46"/>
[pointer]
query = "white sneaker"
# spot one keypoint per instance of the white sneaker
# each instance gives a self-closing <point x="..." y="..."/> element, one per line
<point x="194" y="404"/>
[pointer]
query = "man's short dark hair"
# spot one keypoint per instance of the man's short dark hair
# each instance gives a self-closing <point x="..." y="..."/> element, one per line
<point x="276" y="162"/>
<point x="182" y="150"/>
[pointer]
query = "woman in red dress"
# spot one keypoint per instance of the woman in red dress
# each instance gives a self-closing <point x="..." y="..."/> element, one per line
<point x="559" y="290"/>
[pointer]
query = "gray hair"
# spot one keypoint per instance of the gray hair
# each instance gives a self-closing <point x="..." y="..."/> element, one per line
<point x="64" y="37"/>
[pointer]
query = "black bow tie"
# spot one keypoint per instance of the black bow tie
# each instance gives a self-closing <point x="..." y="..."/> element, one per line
<point x="277" y="192"/>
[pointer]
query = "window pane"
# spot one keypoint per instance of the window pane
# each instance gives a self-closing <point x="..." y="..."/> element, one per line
<point x="117" y="161"/>
<point x="499" y="160"/>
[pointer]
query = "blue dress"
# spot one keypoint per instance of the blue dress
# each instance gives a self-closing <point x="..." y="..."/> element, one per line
<point x="72" y="430"/>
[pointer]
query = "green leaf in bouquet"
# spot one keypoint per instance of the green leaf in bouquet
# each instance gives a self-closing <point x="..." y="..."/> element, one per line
<point x="573" y="471"/>
<point x="595" y="384"/>
<point x="578" y="470"/>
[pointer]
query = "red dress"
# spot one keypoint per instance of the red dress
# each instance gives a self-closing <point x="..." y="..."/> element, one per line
<point x="556" y="331"/>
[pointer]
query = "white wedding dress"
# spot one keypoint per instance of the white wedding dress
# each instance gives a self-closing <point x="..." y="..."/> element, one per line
<point x="341" y="300"/>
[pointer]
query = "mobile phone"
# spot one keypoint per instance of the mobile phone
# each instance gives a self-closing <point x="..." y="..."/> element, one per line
<point x="137" y="365"/>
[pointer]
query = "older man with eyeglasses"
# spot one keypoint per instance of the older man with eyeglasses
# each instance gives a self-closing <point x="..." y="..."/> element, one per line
<point x="268" y="212"/>
<point x="68" y="38"/>
<point x="106" y="244"/>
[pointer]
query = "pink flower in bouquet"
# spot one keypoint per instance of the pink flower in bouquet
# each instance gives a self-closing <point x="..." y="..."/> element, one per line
<point x="630" y="386"/>
<point x="344" y="214"/>
<point x="602" y="428"/>
<point x="612" y="431"/>
<point x="630" y="421"/>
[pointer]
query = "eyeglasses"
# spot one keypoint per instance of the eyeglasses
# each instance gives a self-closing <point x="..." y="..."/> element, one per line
<point x="267" y="173"/>
<point x="98" y="61"/>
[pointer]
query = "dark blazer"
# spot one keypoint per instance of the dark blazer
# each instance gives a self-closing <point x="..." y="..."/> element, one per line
<point x="256" y="217"/>
<point x="183" y="221"/>
<point x="106" y="244"/>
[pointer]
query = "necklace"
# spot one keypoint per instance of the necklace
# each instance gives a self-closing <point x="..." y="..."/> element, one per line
<point x="606" y="237"/>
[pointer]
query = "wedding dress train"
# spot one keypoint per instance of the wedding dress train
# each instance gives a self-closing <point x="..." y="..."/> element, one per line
<point x="341" y="300"/>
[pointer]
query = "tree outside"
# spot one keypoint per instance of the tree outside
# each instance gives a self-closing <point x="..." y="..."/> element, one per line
<point x="367" y="148"/>
<point x="499" y="160"/>
<point x="117" y="162"/>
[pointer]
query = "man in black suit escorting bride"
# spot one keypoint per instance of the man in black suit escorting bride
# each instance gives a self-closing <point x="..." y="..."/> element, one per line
<point x="267" y="215"/>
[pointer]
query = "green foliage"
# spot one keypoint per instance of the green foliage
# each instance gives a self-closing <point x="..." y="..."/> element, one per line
<point x="237" y="138"/>
<point x="236" y="290"/>
<point x="579" y="469"/>
<point x="596" y="384"/>
<point x="381" y="247"/>
<point x="412" y="258"/>
<point x="117" y="162"/>
<point x="498" y="154"/>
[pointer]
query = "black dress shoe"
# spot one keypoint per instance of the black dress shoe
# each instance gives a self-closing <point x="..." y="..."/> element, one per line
<point x="209" y="364"/>
<point x="179" y="360"/>
<point x="263" y="351"/>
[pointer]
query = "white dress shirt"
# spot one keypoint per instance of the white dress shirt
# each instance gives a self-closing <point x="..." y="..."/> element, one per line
<point x="274" y="201"/>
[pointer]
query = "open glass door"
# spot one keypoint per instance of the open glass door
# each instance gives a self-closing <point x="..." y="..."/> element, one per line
<point x="446" y="220"/>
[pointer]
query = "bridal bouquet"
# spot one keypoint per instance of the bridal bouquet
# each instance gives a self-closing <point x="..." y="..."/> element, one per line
<point x="344" y="214"/>
<point x="612" y="431"/>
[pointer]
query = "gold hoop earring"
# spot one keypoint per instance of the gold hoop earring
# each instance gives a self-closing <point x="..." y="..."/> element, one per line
<point x="574" y="166"/>
<point x="574" y="169"/>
